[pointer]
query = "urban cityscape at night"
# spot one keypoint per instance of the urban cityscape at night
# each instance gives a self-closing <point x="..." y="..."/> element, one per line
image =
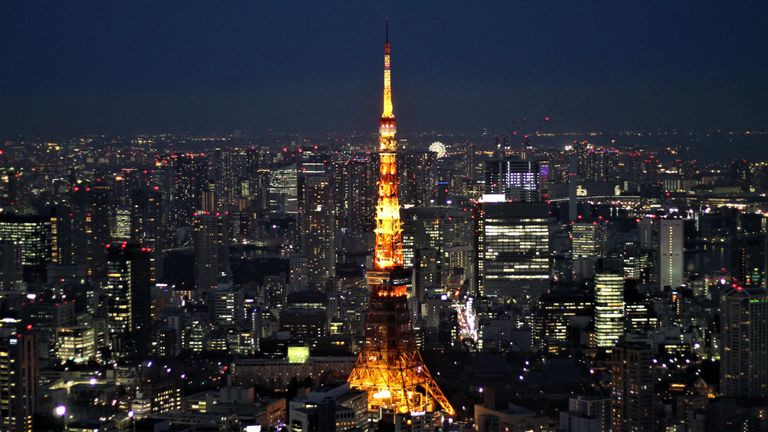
<point x="564" y="229"/>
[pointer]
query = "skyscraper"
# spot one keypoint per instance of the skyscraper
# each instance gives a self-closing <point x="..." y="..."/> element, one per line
<point x="609" y="309"/>
<point x="210" y="246"/>
<point x="317" y="228"/>
<point x="744" y="331"/>
<point x="128" y="291"/>
<point x="512" y="249"/>
<point x="632" y="389"/>
<point x="416" y="178"/>
<point x="588" y="240"/>
<point x="18" y="379"/>
<point x="671" y="253"/>
<point x="517" y="179"/>
<point x="355" y="199"/>
<point x="190" y="170"/>
<point x="283" y="190"/>
<point x="10" y="266"/>
<point x="31" y="234"/>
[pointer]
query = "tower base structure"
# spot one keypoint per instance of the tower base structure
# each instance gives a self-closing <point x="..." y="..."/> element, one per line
<point x="390" y="368"/>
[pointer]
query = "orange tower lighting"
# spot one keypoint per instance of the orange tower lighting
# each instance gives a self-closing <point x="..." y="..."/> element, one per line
<point x="390" y="368"/>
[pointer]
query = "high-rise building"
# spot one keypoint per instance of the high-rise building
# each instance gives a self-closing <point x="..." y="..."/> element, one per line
<point x="744" y="343"/>
<point x="10" y="266"/>
<point x="671" y="253"/>
<point x="211" y="250"/>
<point x="209" y="202"/>
<point x="129" y="298"/>
<point x="91" y="223"/>
<point x="18" y="379"/>
<point x="632" y="389"/>
<point x="512" y="249"/>
<point x="517" y="179"/>
<point x="31" y="234"/>
<point x="609" y="309"/>
<point x="355" y="200"/>
<point x="317" y="227"/>
<point x="147" y="225"/>
<point x="416" y="177"/>
<point x="227" y="306"/>
<point x="190" y="172"/>
<point x="556" y="313"/>
<point x="588" y="240"/>
<point x="284" y="190"/>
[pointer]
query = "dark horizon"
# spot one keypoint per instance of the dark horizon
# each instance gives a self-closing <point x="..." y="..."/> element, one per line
<point x="151" y="68"/>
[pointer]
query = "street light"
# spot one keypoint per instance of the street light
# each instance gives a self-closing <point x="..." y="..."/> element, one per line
<point x="132" y="416"/>
<point x="61" y="411"/>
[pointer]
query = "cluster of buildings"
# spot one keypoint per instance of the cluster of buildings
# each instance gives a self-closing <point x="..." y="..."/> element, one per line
<point x="645" y="272"/>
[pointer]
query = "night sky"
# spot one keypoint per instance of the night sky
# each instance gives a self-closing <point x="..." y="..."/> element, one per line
<point x="315" y="66"/>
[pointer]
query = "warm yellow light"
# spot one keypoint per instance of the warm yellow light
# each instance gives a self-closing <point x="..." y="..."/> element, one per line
<point x="383" y="394"/>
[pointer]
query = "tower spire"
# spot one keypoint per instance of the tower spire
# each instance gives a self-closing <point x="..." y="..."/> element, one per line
<point x="388" y="111"/>
<point x="389" y="234"/>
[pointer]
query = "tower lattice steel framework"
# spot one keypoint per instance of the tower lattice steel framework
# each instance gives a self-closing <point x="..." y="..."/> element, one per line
<point x="390" y="368"/>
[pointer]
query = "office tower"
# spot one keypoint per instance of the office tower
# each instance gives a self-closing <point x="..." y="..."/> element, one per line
<point x="512" y="249"/>
<point x="76" y="343"/>
<point x="308" y="326"/>
<point x="128" y="291"/>
<point x="390" y="368"/>
<point x="639" y="315"/>
<point x="61" y="236"/>
<point x="190" y="175"/>
<point x="632" y="389"/>
<point x="91" y="222"/>
<point x="211" y="251"/>
<point x="147" y="225"/>
<point x="10" y="266"/>
<point x="609" y="309"/>
<point x="32" y="236"/>
<point x="18" y="379"/>
<point x="355" y="200"/>
<point x="417" y="178"/>
<point x="744" y="343"/>
<point x="209" y="203"/>
<point x="422" y="229"/>
<point x="283" y="190"/>
<point x="634" y="262"/>
<point x="588" y="240"/>
<point x="747" y="259"/>
<point x="227" y="306"/>
<point x="231" y="167"/>
<point x="671" y="253"/>
<point x="516" y="179"/>
<point x="558" y="310"/>
<point x="121" y="229"/>
<point x="648" y="233"/>
<point x="317" y="227"/>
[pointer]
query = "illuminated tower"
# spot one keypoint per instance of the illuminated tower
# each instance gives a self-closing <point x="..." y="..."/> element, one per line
<point x="390" y="368"/>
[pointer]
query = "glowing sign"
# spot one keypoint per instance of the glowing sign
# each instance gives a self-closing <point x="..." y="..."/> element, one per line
<point x="298" y="354"/>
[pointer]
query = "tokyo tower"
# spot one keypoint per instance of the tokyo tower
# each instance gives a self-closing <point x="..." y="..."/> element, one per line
<point x="390" y="368"/>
